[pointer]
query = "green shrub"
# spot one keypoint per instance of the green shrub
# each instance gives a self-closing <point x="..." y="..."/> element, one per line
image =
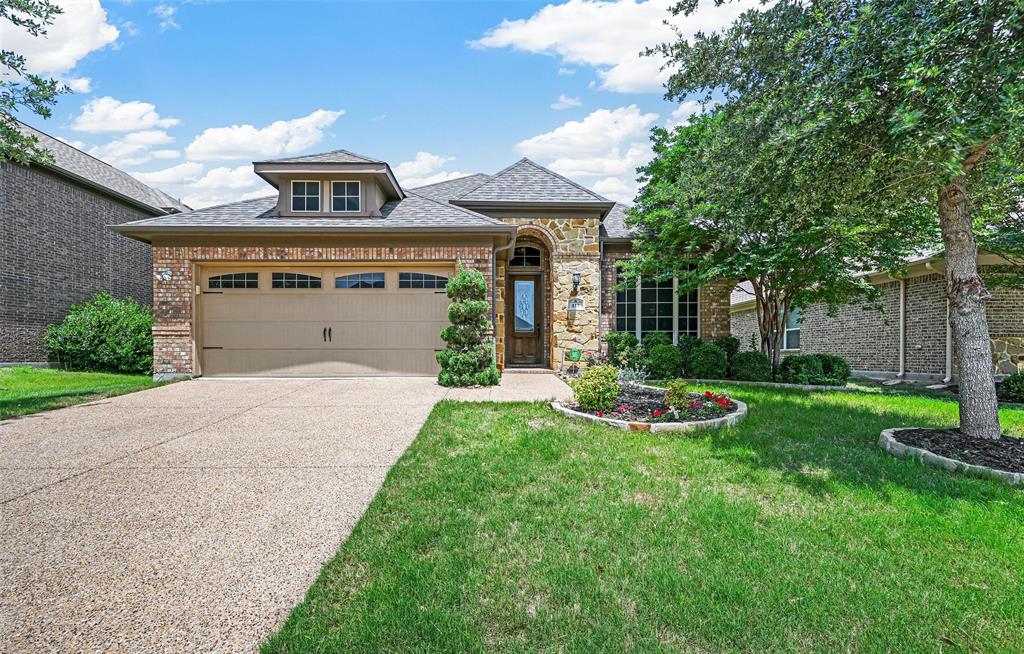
<point x="104" y="333"/>
<point x="624" y="350"/>
<point x="834" y="369"/>
<point x="707" y="361"/>
<point x="653" y="340"/>
<point x="467" y="361"/>
<point x="676" y="393"/>
<point x="687" y="344"/>
<point x="751" y="366"/>
<point x="664" y="362"/>
<point x="1013" y="387"/>
<point x="731" y="346"/>
<point x="597" y="388"/>
<point x="801" y="369"/>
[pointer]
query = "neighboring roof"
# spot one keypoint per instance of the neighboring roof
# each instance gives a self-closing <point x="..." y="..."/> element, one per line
<point x="334" y="156"/>
<point x="614" y="224"/>
<point x="414" y="212"/>
<point x="73" y="162"/>
<point x="452" y="188"/>
<point x="744" y="292"/>
<point x="528" y="182"/>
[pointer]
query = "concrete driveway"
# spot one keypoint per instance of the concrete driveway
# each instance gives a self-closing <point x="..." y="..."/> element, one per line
<point x="193" y="517"/>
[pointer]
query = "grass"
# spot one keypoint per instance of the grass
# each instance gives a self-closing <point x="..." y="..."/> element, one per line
<point x="508" y="528"/>
<point x="30" y="390"/>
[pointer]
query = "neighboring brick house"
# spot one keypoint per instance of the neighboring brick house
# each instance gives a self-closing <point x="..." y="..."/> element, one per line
<point x="913" y="342"/>
<point x="56" y="250"/>
<point x="342" y="272"/>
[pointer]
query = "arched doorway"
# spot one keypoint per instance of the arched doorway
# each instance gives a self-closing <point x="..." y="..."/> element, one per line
<point x="527" y="306"/>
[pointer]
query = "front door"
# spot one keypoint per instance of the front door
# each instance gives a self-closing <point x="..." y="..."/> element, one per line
<point x="524" y="325"/>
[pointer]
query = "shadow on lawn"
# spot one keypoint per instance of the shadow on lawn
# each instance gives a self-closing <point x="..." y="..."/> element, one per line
<point x="819" y="441"/>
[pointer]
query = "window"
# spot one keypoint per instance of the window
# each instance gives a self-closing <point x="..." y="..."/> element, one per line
<point x="657" y="306"/>
<point x="360" y="280"/>
<point x="344" y="196"/>
<point x="305" y="196"/>
<point x="421" y="280"/>
<point x="791" y="339"/>
<point x="525" y="256"/>
<point x="235" y="280"/>
<point x="293" y="280"/>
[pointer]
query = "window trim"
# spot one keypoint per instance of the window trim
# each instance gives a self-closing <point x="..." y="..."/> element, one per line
<point x="220" y="278"/>
<point x="637" y="331"/>
<point x="306" y="277"/>
<point x="434" y="279"/>
<point x="788" y="329"/>
<point x="384" y="280"/>
<point x="320" y="195"/>
<point x="358" y="195"/>
<point x="529" y="266"/>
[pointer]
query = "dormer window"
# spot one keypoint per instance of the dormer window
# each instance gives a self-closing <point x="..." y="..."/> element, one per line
<point x="345" y="196"/>
<point x="305" y="196"/>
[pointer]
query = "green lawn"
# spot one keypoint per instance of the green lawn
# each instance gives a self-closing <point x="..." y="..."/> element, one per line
<point x="508" y="528"/>
<point x="28" y="390"/>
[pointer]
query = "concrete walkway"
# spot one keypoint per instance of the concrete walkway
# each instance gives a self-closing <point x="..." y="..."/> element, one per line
<point x="193" y="517"/>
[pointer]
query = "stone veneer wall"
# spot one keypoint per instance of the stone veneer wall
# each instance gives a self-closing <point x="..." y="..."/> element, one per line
<point x="173" y="331"/>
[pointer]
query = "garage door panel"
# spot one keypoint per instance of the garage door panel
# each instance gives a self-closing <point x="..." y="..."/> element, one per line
<point x="310" y="335"/>
<point x="321" y="363"/>
<point x="348" y="306"/>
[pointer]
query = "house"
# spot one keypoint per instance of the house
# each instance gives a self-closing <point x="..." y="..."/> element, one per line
<point x="342" y="272"/>
<point x="909" y="339"/>
<point x="56" y="250"/>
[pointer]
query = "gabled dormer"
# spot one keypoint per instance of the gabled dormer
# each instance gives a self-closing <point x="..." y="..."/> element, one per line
<point x="338" y="184"/>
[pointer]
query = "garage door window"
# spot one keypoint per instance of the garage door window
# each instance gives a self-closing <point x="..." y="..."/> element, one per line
<point x="360" y="280"/>
<point x="294" y="280"/>
<point x="421" y="280"/>
<point x="235" y="280"/>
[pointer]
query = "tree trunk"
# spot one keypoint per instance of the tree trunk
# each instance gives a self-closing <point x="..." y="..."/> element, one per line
<point x="979" y="408"/>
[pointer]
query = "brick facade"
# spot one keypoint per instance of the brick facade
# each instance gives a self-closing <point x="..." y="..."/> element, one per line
<point x="869" y="339"/>
<point x="56" y="251"/>
<point x="173" y="329"/>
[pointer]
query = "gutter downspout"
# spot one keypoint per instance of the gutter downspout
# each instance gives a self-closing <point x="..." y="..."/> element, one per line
<point x="949" y="348"/>
<point x="600" y="292"/>
<point x="494" y="295"/>
<point x="903" y="329"/>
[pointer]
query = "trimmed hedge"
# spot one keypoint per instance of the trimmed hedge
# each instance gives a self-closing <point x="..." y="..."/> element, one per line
<point x="664" y="362"/>
<point x="653" y="340"/>
<point x="1013" y="387"/>
<point x="467" y="361"/>
<point x="707" y="361"/>
<point x="751" y="366"/>
<point x="801" y="369"/>
<point x="104" y="333"/>
<point x="835" y="370"/>
<point x="597" y="388"/>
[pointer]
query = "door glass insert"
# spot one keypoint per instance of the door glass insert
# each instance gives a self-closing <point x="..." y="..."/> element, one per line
<point x="525" y="321"/>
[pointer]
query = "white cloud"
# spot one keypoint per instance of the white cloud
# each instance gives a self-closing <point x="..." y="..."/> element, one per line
<point x="79" y="84"/>
<point x="562" y="70"/>
<point x="223" y="184"/>
<point x="609" y="35"/>
<point x="565" y="102"/>
<point x="246" y="141"/>
<point x="133" y="149"/>
<point x="425" y="169"/>
<point x="181" y="174"/>
<point x="166" y="13"/>
<point x="81" y="29"/>
<point x="682" y="114"/>
<point x="601" y="151"/>
<point x="108" y="114"/>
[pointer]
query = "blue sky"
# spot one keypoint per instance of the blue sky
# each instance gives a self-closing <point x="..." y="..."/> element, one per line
<point x="186" y="94"/>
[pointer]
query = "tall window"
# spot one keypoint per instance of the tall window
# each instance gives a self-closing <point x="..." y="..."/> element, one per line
<point x="791" y="339"/>
<point x="305" y="196"/>
<point x="344" y="196"/>
<point x="657" y="306"/>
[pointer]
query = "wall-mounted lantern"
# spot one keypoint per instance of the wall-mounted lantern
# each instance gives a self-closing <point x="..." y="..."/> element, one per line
<point x="164" y="275"/>
<point x="575" y="283"/>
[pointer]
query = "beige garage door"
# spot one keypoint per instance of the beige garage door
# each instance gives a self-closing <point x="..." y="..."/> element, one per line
<point x="334" y="322"/>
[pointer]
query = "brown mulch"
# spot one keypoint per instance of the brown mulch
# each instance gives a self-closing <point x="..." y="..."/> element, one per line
<point x="1004" y="453"/>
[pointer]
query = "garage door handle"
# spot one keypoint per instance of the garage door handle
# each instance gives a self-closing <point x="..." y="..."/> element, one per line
<point x="329" y="336"/>
<point x="325" y="334"/>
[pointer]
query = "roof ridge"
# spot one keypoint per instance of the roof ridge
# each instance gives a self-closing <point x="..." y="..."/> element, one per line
<point x="449" y="205"/>
<point x="448" y="181"/>
<point x="228" y="204"/>
<point x="563" y="178"/>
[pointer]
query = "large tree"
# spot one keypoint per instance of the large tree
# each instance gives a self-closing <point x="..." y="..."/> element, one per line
<point x="20" y="88"/>
<point x="895" y="105"/>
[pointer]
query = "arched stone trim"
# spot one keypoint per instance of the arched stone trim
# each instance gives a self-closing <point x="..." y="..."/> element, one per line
<point x="539" y="232"/>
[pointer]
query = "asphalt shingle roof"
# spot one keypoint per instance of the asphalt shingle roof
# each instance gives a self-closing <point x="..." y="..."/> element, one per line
<point x="614" y="224"/>
<point x="526" y="181"/>
<point x="412" y="212"/>
<point x="452" y="188"/>
<point x="334" y="156"/>
<point x="72" y="161"/>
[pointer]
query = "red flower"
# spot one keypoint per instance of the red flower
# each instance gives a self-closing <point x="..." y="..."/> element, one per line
<point x="708" y="394"/>
<point x="600" y="413"/>
<point x="657" y="413"/>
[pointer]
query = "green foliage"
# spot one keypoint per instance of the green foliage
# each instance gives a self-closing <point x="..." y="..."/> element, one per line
<point x="653" y="340"/>
<point x="597" y="388"/>
<point x="467" y="360"/>
<point x="687" y="344"/>
<point x="624" y="350"/>
<point x="834" y="369"/>
<point x="731" y="345"/>
<point x="751" y="366"/>
<point x="104" y="333"/>
<point x="677" y="393"/>
<point x="1013" y="387"/>
<point x="21" y="89"/>
<point x="801" y="369"/>
<point x="707" y="361"/>
<point x="664" y="362"/>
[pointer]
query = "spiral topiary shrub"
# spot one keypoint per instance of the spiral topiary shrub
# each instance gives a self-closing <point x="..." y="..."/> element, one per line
<point x="707" y="361"/>
<point x="751" y="366"/>
<point x="597" y="388"/>
<point x="664" y="362"/>
<point x="467" y="361"/>
<point x="104" y="333"/>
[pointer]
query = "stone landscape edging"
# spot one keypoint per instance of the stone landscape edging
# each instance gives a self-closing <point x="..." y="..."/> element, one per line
<point x="629" y="425"/>
<point x="887" y="441"/>
<point x="802" y="387"/>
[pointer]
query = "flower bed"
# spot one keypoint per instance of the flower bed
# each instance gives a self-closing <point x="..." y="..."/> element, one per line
<point x="642" y="408"/>
<point x="1002" y="458"/>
